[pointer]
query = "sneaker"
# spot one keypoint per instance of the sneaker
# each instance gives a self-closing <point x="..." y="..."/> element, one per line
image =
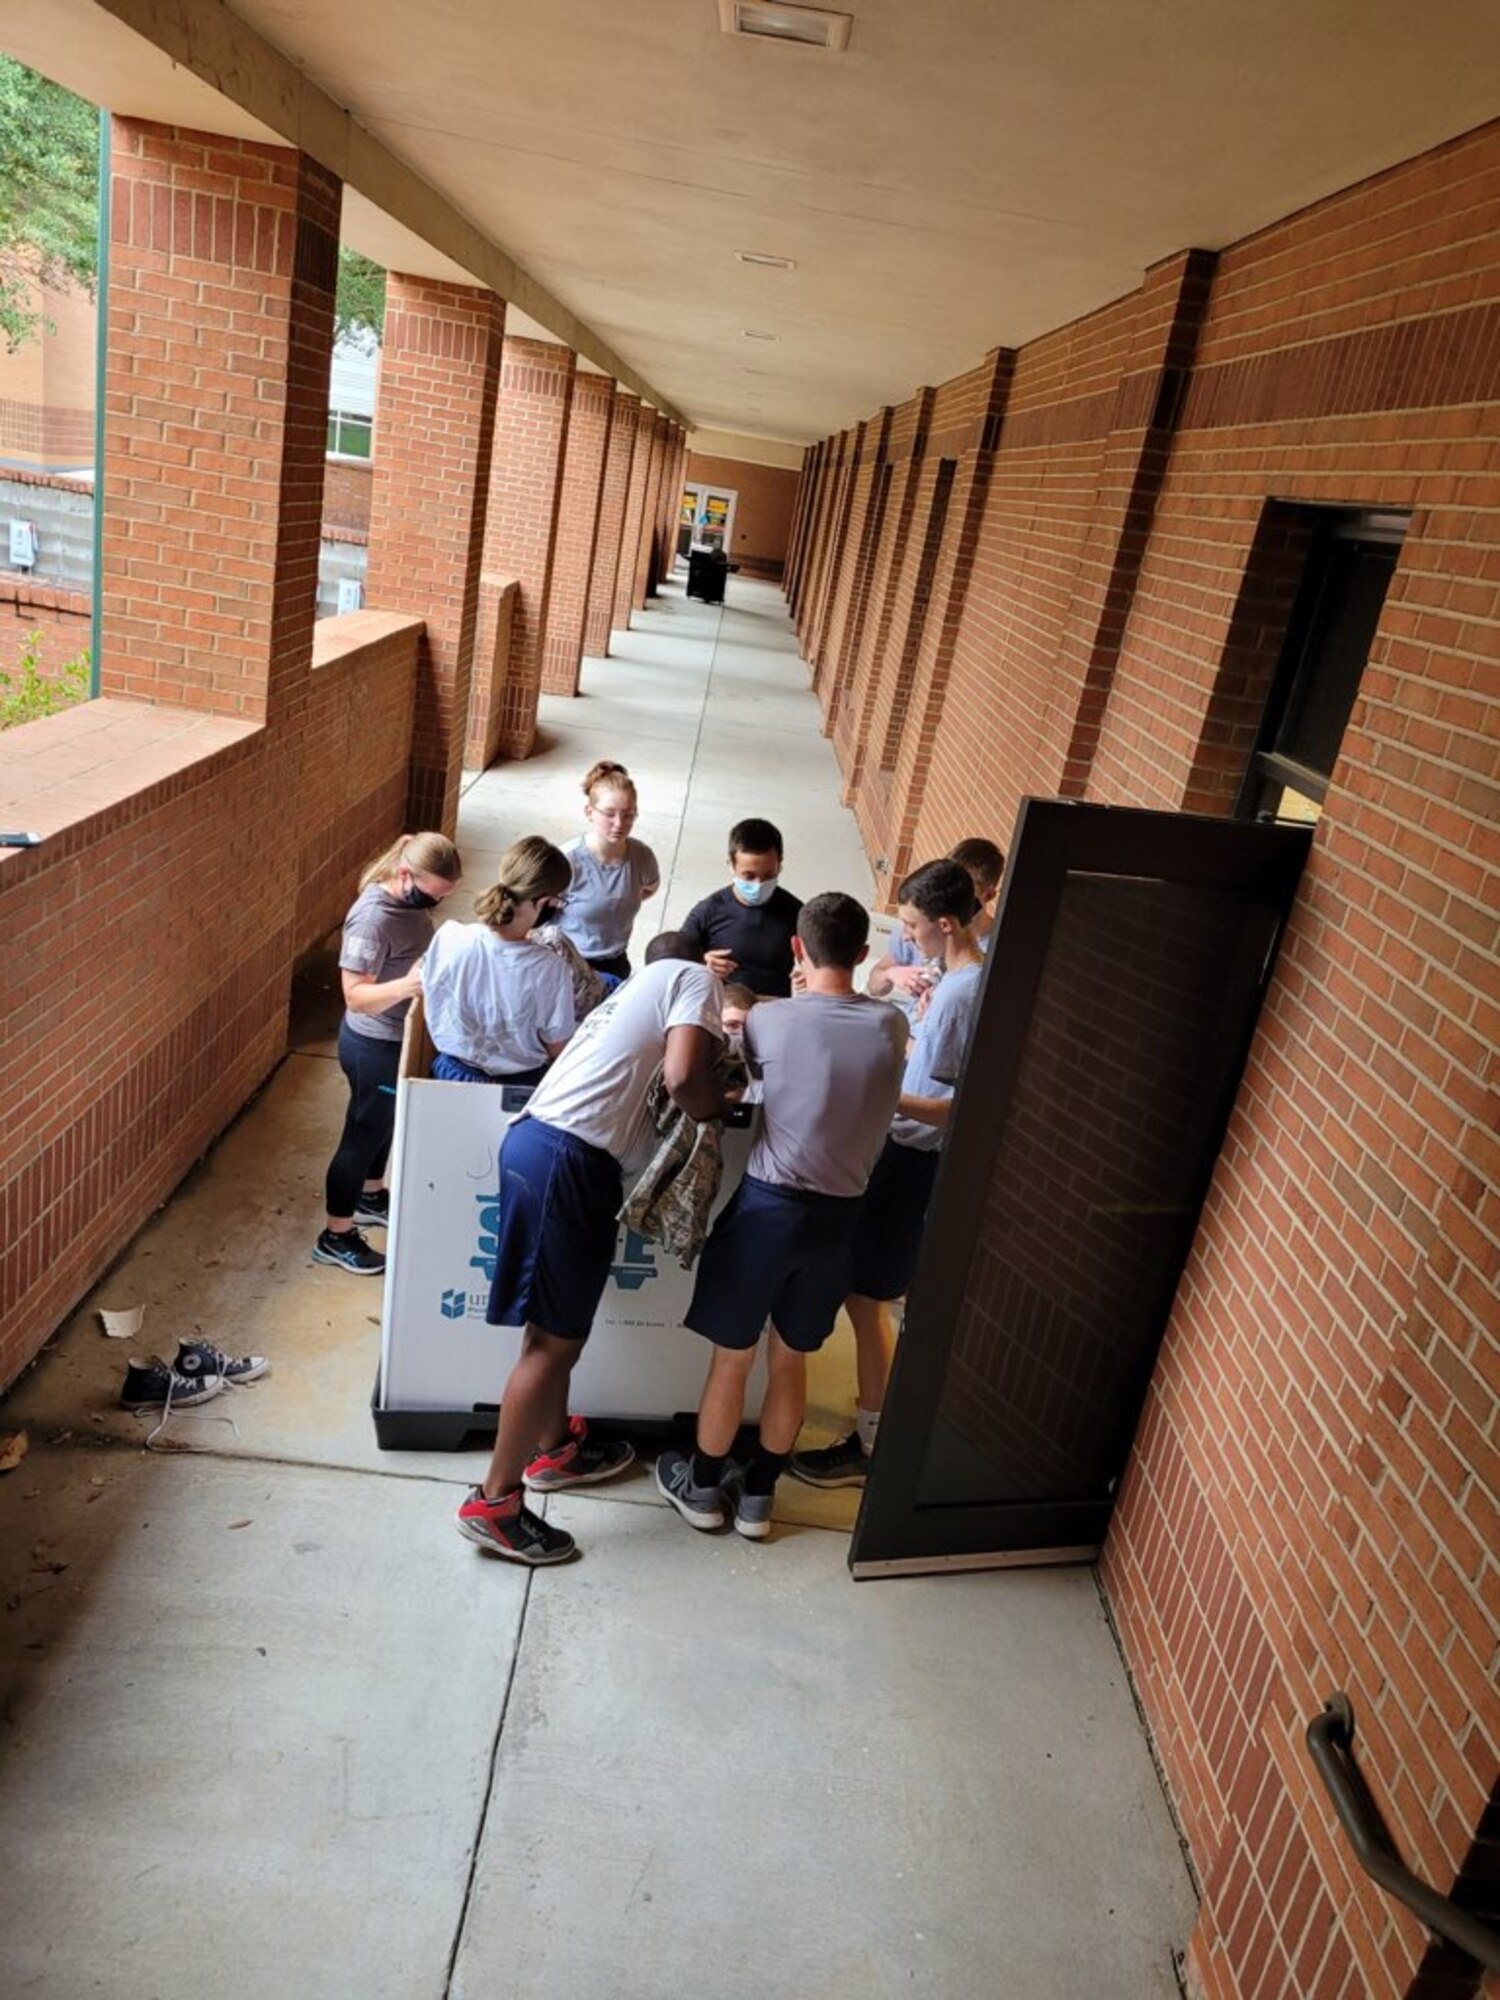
<point x="752" y="1511"/>
<point x="507" y="1528"/>
<point x="374" y="1210"/>
<point x="842" y="1464"/>
<point x="348" y="1249"/>
<point x="152" y="1384"/>
<point x="582" y="1461"/>
<point x="699" y="1506"/>
<point x="201" y="1357"/>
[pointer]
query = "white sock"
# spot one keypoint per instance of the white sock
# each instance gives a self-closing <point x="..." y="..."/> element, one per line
<point x="866" y="1424"/>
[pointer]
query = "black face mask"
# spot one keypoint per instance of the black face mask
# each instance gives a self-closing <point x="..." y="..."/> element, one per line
<point x="418" y="899"/>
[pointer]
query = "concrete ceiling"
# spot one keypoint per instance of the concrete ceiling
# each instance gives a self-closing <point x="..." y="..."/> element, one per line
<point x="967" y="174"/>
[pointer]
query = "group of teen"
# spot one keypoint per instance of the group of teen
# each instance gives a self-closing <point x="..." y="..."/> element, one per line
<point x="853" y="1089"/>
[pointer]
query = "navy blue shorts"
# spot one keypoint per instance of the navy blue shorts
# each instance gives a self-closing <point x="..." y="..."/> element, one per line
<point x="775" y="1253"/>
<point x="888" y="1235"/>
<point x="559" y="1198"/>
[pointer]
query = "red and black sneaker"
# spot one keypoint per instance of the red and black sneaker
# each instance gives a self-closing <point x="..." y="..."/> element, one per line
<point x="507" y="1528"/>
<point x="580" y="1460"/>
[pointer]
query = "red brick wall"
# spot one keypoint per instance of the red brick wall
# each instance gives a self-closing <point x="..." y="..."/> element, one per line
<point x="213" y="480"/>
<point x="213" y="827"/>
<point x="762" y="514"/>
<point x="577" y="530"/>
<point x="605" y="565"/>
<point x="635" y="509"/>
<point x="1312" y="1500"/>
<point x="520" y="538"/>
<point x="127" y="1044"/>
<point x="346" y="496"/>
<point x="439" y="376"/>
<point x="61" y="619"/>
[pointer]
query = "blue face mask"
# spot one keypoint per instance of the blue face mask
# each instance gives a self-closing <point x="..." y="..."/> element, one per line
<point x="756" y="892"/>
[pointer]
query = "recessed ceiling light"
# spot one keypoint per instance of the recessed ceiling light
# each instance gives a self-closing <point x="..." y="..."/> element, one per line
<point x="776" y="21"/>
<point x="763" y="257"/>
<point x="755" y="333"/>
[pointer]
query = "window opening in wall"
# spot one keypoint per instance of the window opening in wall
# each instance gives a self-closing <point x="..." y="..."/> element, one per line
<point x="349" y="433"/>
<point x="1351" y="558"/>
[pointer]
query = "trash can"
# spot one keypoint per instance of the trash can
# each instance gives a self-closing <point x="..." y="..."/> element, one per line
<point x="708" y="570"/>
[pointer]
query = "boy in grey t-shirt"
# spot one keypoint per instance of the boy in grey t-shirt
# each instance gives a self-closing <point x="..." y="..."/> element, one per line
<point x="829" y="1061"/>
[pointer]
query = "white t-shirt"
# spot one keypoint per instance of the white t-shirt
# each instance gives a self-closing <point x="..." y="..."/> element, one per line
<point x="493" y="1002"/>
<point x="597" y="1087"/>
<point x="937" y="1052"/>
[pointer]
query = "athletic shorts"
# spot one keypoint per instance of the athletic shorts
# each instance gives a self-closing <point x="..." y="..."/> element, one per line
<point x="776" y="1253"/>
<point x="559" y="1198"/>
<point x="888" y="1234"/>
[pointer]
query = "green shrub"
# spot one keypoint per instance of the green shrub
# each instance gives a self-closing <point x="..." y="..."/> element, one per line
<point x="28" y="693"/>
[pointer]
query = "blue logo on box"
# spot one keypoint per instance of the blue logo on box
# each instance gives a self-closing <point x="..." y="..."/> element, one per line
<point x="637" y="1265"/>
<point x="455" y="1304"/>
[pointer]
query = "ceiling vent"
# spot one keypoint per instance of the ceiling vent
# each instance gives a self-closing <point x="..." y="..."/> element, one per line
<point x="771" y="21"/>
<point x="765" y="259"/>
<point x="756" y="333"/>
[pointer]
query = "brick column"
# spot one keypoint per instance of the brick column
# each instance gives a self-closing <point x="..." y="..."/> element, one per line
<point x="520" y="537"/>
<point x="649" y="503"/>
<point x="223" y="259"/>
<point x="434" y="429"/>
<point x="589" y="423"/>
<point x="635" y="509"/>
<point x="606" y="560"/>
<point x="666" y="504"/>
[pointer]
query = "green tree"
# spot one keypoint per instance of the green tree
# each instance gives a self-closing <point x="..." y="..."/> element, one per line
<point x="360" y="303"/>
<point x="49" y="195"/>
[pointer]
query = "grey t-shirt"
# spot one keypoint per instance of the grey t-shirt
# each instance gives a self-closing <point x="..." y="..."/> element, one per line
<point x="937" y="1051"/>
<point x="383" y="939"/>
<point x="830" y="1069"/>
<point x="606" y="896"/>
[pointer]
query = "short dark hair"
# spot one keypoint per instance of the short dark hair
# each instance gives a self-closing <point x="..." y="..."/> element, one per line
<point x="941" y="889"/>
<point x="834" y="929"/>
<point x="754" y="836"/>
<point x="672" y="944"/>
<point x="982" y="858"/>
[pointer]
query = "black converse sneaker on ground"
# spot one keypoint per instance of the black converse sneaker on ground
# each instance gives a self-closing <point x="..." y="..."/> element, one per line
<point x="507" y="1528"/>
<point x="844" y="1463"/>
<point x="201" y="1357"/>
<point x="346" y="1247"/>
<point x="373" y="1211"/>
<point x="152" y="1385"/>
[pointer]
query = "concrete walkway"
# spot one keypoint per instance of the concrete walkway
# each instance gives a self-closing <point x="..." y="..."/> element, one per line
<point x="271" y="1728"/>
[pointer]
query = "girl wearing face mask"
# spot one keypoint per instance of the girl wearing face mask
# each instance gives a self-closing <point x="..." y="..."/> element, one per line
<point x="499" y="1005"/>
<point x="385" y="933"/>
<point x="613" y="873"/>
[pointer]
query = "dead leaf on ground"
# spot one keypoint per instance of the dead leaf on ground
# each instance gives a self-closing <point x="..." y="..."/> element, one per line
<point x="13" y="1448"/>
<point x="240" y="1524"/>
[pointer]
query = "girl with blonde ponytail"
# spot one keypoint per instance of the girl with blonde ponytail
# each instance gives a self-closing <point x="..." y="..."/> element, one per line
<point x="499" y="1005"/>
<point x="385" y="934"/>
<point x="613" y="874"/>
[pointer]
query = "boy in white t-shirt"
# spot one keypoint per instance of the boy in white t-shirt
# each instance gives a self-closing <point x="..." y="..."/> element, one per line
<point x="562" y="1168"/>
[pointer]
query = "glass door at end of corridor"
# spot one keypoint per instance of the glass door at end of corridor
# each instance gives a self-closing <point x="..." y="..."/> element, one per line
<point x="1124" y="975"/>
<point x="705" y="519"/>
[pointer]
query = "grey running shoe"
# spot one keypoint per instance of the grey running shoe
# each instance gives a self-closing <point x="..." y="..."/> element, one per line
<point x="842" y="1464"/>
<point x="348" y="1249"/>
<point x="151" y="1385"/>
<point x="699" y="1506"/>
<point x="752" y="1511"/>
<point x="374" y="1210"/>
<point x="201" y="1357"/>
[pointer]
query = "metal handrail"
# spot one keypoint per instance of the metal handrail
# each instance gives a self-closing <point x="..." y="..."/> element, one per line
<point x="1330" y="1740"/>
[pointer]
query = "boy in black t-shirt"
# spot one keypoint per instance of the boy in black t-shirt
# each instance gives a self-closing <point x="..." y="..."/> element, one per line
<point x="745" y="931"/>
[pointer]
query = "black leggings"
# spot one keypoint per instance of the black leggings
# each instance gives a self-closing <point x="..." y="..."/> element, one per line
<point x="365" y="1143"/>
